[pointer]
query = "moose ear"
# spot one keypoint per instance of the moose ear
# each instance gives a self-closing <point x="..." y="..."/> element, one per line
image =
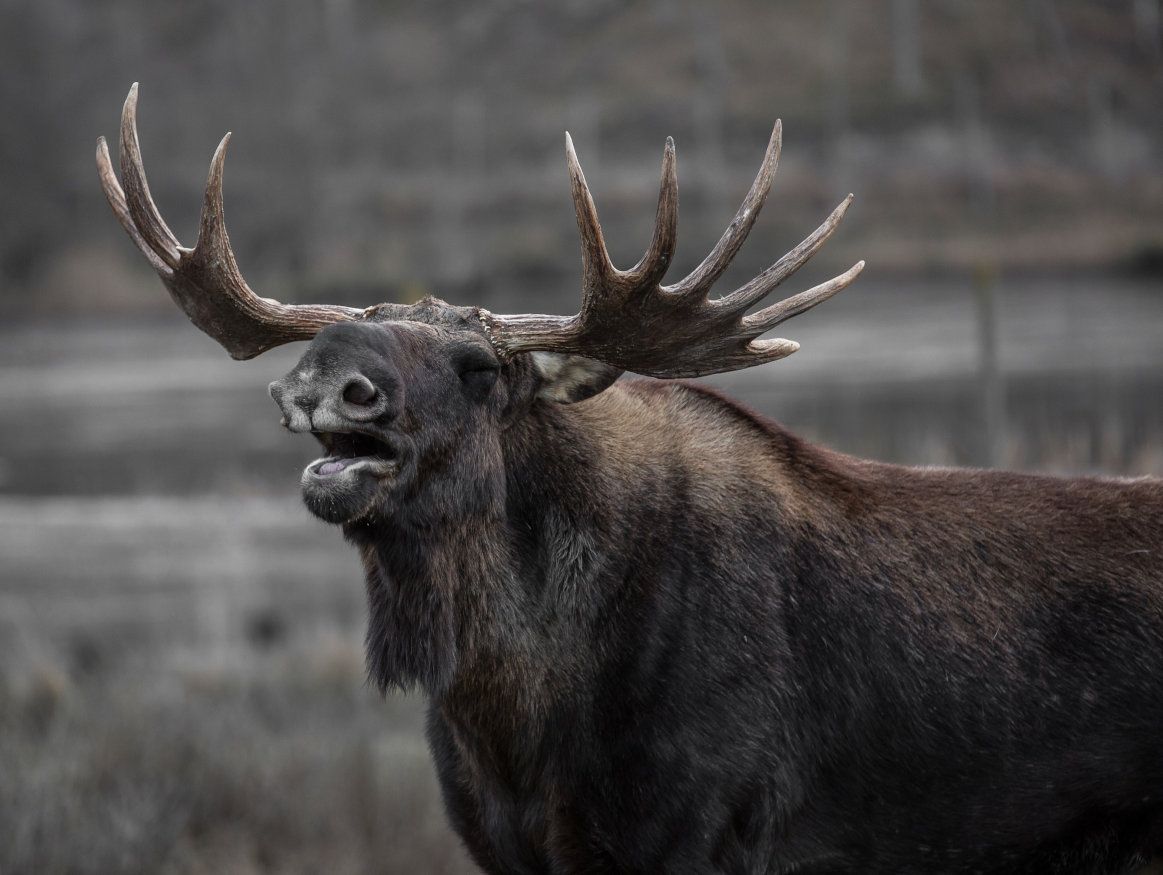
<point x="569" y="378"/>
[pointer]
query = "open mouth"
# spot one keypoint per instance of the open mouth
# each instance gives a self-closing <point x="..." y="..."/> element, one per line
<point x="351" y="451"/>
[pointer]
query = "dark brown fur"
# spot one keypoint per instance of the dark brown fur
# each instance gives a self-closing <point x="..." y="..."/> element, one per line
<point x="660" y="633"/>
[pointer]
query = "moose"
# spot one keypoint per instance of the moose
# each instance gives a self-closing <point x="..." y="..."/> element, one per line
<point x="656" y="631"/>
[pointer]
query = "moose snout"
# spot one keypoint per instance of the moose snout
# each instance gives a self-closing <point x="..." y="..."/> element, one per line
<point x="334" y="403"/>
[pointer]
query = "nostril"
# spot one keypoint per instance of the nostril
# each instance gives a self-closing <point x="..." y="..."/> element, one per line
<point x="359" y="391"/>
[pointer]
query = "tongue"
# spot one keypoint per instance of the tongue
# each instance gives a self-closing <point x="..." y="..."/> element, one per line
<point x="333" y="467"/>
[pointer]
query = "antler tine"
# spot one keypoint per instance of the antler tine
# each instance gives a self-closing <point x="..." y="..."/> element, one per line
<point x="116" y="198"/>
<point x="699" y="281"/>
<point x="213" y="244"/>
<point x="213" y="256"/>
<point x="756" y="290"/>
<point x="146" y="217"/>
<point x="597" y="268"/>
<point x="769" y="317"/>
<point x="204" y="281"/>
<point x="651" y="268"/>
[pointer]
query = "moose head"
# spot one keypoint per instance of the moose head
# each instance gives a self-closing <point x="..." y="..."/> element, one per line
<point x="400" y="393"/>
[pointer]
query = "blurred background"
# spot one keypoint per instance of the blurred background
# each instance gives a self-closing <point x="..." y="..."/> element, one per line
<point x="181" y="676"/>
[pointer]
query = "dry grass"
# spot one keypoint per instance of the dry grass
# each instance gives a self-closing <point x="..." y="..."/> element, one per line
<point x="297" y="767"/>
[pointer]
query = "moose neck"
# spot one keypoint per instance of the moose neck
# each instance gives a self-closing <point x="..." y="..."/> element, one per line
<point x="490" y="598"/>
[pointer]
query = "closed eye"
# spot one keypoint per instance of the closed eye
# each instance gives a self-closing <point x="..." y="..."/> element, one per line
<point x="479" y="381"/>
<point x="473" y="359"/>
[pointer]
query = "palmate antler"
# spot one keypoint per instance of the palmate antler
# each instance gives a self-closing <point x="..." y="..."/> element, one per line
<point x="627" y="318"/>
<point x="204" y="281"/>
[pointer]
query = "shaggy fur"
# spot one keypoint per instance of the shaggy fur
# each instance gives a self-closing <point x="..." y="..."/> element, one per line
<point x="657" y="632"/>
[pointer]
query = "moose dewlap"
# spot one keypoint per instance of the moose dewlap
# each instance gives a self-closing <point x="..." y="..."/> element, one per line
<point x="659" y="633"/>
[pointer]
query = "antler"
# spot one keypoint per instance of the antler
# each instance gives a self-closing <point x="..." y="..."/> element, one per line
<point x="629" y="320"/>
<point x="204" y="281"/>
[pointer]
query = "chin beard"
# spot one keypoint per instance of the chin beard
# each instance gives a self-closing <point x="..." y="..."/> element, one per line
<point x="411" y="635"/>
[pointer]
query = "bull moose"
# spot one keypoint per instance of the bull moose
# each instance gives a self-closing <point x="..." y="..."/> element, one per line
<point x="659" y="633"/>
